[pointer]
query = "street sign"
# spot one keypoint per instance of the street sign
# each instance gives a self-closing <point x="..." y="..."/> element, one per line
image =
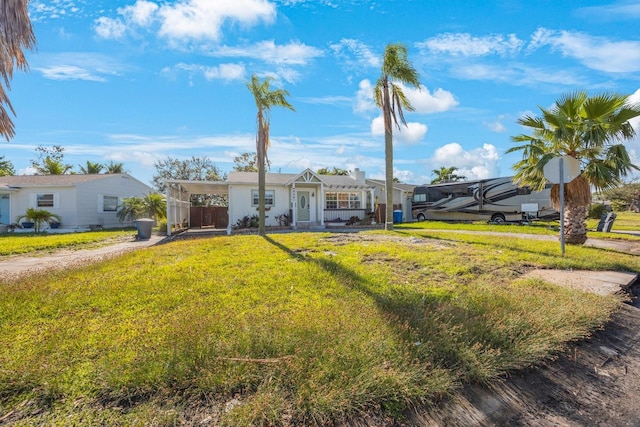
<point x="571" y="169"/>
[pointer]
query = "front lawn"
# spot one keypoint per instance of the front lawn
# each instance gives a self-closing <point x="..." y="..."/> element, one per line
<point x="302" y="328"/>
<point x="22" y="243"/>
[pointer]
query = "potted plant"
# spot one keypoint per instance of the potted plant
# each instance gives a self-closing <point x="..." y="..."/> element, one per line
<point x="36" y="217"/>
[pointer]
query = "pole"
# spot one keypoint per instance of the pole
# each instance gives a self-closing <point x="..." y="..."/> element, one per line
<point x="561" y="206"/>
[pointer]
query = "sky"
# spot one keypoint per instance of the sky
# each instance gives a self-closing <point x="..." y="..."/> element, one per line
<point x="140" y="81"/>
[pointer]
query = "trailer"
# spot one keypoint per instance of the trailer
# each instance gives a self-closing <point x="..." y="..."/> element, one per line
<point x="494" y="199"/>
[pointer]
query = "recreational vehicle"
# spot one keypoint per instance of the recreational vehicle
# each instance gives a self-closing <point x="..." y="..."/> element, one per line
<point x="494" y="199"/>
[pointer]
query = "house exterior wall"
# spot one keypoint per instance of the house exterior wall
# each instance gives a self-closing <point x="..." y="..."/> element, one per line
<point x="90" y="196"/>
<point x="64" y="203"/>
<point x="240" y="203"/>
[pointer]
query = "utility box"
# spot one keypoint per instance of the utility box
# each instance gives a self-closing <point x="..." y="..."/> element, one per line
<point x="144" y="226"/>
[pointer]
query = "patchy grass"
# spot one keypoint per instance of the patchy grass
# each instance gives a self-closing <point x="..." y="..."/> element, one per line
<point x="303" y="328"/>
<point x="13" y="244"/>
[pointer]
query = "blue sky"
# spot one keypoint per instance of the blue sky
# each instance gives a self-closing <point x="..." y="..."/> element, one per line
<point x="138" y="81"/>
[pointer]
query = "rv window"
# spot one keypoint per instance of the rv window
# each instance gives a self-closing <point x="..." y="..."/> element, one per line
<point x="419" y="197"/>
<point x="523" y="191"/>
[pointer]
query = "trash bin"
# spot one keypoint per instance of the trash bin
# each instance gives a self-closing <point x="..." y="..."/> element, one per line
<point x="397" y="217"/>
<point x="144" y="226"/>
<point x="4" y="228"/>
<point x="608" y="222"/>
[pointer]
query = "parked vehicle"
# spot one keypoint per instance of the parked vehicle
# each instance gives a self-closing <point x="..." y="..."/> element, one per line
<point x="494" y="199"/>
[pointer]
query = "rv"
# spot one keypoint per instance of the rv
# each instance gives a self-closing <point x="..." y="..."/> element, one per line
<point x="495" y="199"/>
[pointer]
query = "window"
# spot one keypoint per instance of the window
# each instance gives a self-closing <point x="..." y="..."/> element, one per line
<point x="44" y="200"/>
<point x="109" y="203"/>
<point x="269" y="198"/>
<point x="342" y="200"/>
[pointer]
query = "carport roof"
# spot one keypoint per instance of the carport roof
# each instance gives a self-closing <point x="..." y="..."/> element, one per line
<point x="202" y="187"/>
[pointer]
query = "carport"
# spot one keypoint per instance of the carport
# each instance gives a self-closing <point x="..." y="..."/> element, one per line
<point x="179" y="207"/>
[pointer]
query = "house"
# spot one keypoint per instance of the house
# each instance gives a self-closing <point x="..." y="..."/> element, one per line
<point x="402" y="194"/>
<point x="307" y="199"/>
<point x="82" y="201"/>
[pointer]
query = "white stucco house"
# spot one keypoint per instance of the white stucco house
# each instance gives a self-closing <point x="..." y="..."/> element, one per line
<point x="82" y="201"/>
<point x="308" y="199"/>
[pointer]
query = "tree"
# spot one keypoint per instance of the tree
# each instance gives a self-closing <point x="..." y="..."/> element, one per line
<point x="91" y="168"/>
<point x="16" y="34"/>
<point x="131" y="208"/>
<point x="155" y="206"/>
<point x="194" y="169"/>
<point x="446" y="174"/>
<point x="6" y="167"/>
<point x="246" y="162"/>
<point x="38" y="217"/>
<point x="334" y="171"/>
<point x="388" y="95"/>
<point x="50" y="161"/>
<point x="113" y="167"/>
<point x="265" y="99"/>
<point x="624" y="197"/>
<point x="590" y="128"/>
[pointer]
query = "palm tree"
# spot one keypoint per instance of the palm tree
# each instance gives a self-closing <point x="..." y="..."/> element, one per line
<point x="113" y="167"/>
<point x="91" y="168"/>
<point x="51" y="166"/>
<point x="155" y="206"/>
<point x="17" y="34"/>
<point x="446" y="174"/>
<point x="388" y="95"/>
<point x="131" y="208"/>
<point x="265" y="99"/>
<point x="590" y="129"/>
<point x="38" y="217"/>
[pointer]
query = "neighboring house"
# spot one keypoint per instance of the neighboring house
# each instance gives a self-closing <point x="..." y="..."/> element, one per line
<point x="308" y="199"/>
<point x="402" y="194"/>
<point x="82" y="201"/>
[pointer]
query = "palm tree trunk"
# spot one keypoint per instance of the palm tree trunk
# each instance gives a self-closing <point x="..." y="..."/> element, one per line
<point x="575" y="227"/>
<point x="262" y="230"/>
<point x="388" y="157"/>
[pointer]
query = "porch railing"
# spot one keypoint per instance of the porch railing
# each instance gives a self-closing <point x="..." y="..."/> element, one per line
<point x="343" y="214"/>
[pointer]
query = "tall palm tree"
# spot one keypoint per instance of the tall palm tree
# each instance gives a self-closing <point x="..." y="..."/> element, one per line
<point x="446" y="174"/>
<point x="91" y="168"/>
<point x="16" y="34"/>
<point x="265" y="99"/>
<point x="388" y="95"/>
<point x="155" y="205"/>
<point x="591" y="129"/>
<point x="51" y="166"/>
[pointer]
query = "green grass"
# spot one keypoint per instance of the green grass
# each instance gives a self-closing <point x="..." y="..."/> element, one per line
<point x="13" y="244"/>
<point x="302" y="327"/>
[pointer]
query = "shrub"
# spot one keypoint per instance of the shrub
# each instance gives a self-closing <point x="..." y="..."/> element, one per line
<point x="596" y="211"/>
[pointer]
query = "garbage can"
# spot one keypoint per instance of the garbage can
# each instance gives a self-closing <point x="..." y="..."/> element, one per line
<point x="608" y="222"/>
<point x="397" y="217"/>
<point x="3" y="228"/>
<point x="144" y="226"/>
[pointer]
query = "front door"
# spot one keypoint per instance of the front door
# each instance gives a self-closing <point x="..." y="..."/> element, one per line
<point x="303" y="206"/>
<point x="4" y="209"/>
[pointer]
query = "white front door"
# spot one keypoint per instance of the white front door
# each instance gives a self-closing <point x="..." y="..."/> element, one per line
<point x="303" y="206"/>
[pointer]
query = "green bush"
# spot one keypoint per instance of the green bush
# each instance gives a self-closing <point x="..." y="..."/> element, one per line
<point x="596" y="211"/>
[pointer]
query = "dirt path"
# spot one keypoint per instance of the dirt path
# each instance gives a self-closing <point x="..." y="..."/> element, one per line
<point x="18" y="265"/>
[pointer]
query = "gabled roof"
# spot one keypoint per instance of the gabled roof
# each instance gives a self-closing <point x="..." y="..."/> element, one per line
<point x="404" y="187"/>
<point x="71" y="180"/>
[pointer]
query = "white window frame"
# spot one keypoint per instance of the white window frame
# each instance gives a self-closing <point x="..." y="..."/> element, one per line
<point x="37" y="199"/>
<point x="343" y="200"/>
<point x="269" y="198"/>
<point x="104" y="204"/>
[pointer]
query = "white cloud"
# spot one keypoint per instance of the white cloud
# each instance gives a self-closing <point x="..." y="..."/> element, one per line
<point x="354" y="53"/>
<point x="108" y="28"/>
<point x="364" y="98"/>
<point x="186" y="20"/>
<point x="496" y="125"/>
<point x="518" y="74"/>
<point x="293" y="53"/>
<point x="427" y="103"/>
<point x="69" y="72"/>
<point x="463" y="44"/>
<point x="410" y="134"/>
<point x="203" y="19"/>
<point x="227" y="72"/>
<point x="634" y="99"/>
<point x="476" y="163"/>
<point x="78" y="66"/>
<point x="598" y="53"/>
